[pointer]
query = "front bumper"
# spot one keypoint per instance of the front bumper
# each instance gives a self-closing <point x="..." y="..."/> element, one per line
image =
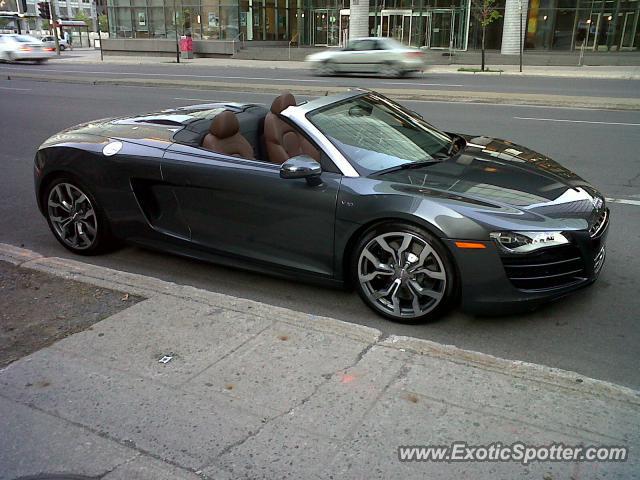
<point x="492" y="283"/>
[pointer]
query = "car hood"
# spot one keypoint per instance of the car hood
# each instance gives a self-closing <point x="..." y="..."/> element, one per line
<point x="501" y="178"/>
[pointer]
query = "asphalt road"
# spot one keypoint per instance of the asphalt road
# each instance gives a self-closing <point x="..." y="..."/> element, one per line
<point x="595" y="332"/>
<point x="303" y="76"/>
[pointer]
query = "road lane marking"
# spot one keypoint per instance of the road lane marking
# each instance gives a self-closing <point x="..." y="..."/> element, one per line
<point x="425" y="84"/>
<point x="14" y="88"/>
<point x="514" y="105"/>
<point x="624" y="201"/>
<point x="222" y="76"/>
<point x="180" y="75"/>
<point x="209" y="100"/>
<point x="577" y="121"/>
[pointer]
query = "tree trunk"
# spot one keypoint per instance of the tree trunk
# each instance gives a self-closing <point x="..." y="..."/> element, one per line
<point x="484" y="29"/>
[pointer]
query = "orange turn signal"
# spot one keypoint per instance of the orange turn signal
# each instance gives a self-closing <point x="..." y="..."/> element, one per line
<point x="471" y="245"/>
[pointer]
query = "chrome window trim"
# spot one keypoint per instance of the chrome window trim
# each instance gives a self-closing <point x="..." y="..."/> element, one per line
<point x="298" y="116"/>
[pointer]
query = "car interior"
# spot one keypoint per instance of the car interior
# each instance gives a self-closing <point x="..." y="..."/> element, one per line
<point x="254" y="133"/>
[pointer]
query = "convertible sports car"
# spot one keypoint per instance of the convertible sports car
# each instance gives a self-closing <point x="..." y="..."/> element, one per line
<point x="350" y="189"/>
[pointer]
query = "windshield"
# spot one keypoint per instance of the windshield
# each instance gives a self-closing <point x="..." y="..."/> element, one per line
<point x="375" y="134"/>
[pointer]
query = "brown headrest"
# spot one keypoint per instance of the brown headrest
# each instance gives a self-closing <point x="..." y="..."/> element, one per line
<point x="224" y="125"/>
<point x="282" y="102"/>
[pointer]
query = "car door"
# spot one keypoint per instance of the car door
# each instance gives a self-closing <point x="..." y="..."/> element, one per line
<point x="243" y="208"/>
<point x="363" y="56"/>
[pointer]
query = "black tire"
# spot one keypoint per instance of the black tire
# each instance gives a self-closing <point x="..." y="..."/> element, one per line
<point x="102" y="241"/>
<point x="391" y="70"/>
<point x="62" y="48"/>
<point x="327" y="69"/>
<point x="441" y="265"/>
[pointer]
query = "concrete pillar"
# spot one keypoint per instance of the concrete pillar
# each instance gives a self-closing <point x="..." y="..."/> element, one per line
<point x="359" y="19"/>
<point x="511" y="29"/>
<point x="93" y="14"/>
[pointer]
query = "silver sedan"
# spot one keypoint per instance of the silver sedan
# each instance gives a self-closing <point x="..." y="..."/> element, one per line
<point x="384" y="56"/>
<point x="15" y="47"/>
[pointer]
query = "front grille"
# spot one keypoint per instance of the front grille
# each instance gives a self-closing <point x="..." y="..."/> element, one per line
<point x="600" y="223"/>
<point x="554" y="267"/>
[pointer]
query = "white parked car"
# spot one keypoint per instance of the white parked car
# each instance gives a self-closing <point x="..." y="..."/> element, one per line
<point x="14" y="47"/>
<point x="384" y="56"/>
<point x="50" y="42"/>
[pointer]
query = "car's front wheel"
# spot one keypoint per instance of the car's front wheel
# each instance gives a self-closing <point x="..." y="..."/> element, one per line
<point x="75" y="218"/>
<point x="404" y="273"/>
<point x="326" y="69"/>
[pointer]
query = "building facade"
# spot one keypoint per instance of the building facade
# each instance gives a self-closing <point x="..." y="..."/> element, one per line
<point x="601" y="25"/>
<point x="25" y="12"/>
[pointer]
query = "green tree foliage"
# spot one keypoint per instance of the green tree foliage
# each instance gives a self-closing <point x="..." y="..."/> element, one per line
<point x="487" y="13"/>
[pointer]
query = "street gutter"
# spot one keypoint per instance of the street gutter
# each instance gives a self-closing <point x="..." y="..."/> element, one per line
<point x="601" y="103"/>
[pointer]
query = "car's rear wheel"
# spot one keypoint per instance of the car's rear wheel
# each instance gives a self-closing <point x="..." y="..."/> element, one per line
<point x="391" y="70"/>
<point x="75" y="218"/>
<point x="404" y="273"/>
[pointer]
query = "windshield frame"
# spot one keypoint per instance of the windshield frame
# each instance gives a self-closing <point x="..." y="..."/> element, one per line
<point x="396" y="108"/>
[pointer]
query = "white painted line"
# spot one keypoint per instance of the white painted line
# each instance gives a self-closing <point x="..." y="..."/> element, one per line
<point x="210" y="100"/>
<point x="577" y="121"/>
<point x="181" y="75"/>
<point x="12" y="88"/>
<point x="424" y="84"/>
<point x="514" y="105"/>
<point x="205" y="100"/>
<point x="624" y="201"/>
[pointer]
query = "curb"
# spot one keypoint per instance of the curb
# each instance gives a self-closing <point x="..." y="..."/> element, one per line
<point x="586" y="72"/>
<point x="150" y="287"/>
<point x="603" y="103"/>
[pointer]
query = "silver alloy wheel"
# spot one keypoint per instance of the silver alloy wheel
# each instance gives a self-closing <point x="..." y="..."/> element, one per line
<point x="390" y="70"/>
<point x="327" y="68"/>
<point x="402" y="275"/>
<point x="72" y="216"/>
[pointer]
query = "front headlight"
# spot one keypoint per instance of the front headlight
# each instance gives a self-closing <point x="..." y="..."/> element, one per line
<point x="525" y="242"/>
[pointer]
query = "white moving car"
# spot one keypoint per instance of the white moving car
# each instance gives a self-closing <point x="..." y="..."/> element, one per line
<point x="14" y="47"/>
<point x="384" y="56"/>
<point x="50" y="42"/>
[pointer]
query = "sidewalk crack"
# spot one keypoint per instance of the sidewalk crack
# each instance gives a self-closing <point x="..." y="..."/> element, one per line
<point x="226" y="355"/>
<point x="327" y="378"/>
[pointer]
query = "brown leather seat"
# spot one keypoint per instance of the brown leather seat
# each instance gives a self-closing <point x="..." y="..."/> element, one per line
<point x="282" y="141"/>
<point x="224" y="137"/>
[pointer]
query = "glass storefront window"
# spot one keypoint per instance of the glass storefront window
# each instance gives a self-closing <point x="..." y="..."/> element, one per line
<point x="603" y="25"/>
<point x="554" y="25"/>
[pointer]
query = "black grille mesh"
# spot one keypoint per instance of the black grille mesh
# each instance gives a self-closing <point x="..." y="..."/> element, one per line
<point x="551" y="268"/>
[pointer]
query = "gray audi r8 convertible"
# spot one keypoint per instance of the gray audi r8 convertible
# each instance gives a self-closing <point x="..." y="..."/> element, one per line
<point x="349" y="189"/>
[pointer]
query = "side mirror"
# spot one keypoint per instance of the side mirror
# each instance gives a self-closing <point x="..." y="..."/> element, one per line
<point x="302" y="166"/>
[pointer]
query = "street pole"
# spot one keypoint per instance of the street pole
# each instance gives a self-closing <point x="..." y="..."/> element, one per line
<point x="175" y="23"/>
<point x="53" y="18"/>
<point x="521" y="39"/>
<point x="100" y="39"/>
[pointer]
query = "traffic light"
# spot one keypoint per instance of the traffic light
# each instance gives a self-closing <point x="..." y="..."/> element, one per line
<point x="44" y="10"/>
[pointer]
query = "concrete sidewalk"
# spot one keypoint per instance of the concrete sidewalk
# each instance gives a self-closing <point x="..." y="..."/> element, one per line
<point x="603" y="72"/>
<point x="256" y="391"/>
